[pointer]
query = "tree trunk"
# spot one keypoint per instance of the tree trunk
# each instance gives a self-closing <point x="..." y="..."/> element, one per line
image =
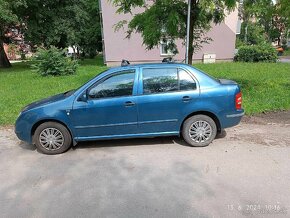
<point x="193" y="17"/>
<point x="4" y="62"/>
<point x="246" y="33"/>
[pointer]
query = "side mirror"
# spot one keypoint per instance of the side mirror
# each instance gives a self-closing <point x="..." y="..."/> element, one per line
<point x="83" y="97"/>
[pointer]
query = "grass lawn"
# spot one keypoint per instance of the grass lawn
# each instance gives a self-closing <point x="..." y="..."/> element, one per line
<point x="265" y="86"/>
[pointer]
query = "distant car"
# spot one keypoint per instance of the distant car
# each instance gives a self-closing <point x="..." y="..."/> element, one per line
<point x="132" y="101"/>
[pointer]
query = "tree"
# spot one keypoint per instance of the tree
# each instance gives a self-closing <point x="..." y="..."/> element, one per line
<point x="7" y="19"/>
<point x="252" y="33"/>
<point x="62" y="23"/>
<point x="283" y="11"/>
<point x="167" y="20"/>
<point x="272" y="16"/>
<point x="89" y="37"/>
<point x="52" y="22"/>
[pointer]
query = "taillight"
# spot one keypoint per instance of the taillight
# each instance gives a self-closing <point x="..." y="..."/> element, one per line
<point x="239" y="101"/>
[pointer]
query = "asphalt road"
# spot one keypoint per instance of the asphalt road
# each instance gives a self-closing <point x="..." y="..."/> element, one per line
<point x="243" y="173"/>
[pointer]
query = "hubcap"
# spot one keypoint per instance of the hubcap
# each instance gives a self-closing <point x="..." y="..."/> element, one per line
<point x="200" y="131"/>
<point x="51" y="139"/>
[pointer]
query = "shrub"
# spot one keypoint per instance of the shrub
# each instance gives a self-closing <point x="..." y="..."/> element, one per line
<point x="256" y="53"/>
<point x="54" y="62"/>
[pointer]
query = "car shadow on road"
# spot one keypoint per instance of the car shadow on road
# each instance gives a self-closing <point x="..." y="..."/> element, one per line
<point x="126" y="142"/>
<point x="130" y="142"/>
<point x="27" y="146"/>
<point x="221" y="135"/>
<point x="139" y="141"/>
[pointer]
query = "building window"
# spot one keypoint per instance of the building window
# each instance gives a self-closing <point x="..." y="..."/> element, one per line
<point x="164" y="51"/>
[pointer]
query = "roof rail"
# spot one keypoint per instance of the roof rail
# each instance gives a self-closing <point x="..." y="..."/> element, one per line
<point x="167" y="60"/>
<point x="125" y="63"/>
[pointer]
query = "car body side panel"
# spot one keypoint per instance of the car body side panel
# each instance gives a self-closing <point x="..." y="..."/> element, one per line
<point x="163" y="112"/>
<point x="27" y="119"/>
<point x="106" y="116"/>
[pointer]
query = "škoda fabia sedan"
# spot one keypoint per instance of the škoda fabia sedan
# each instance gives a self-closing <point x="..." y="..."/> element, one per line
<point x="146" y="100"/>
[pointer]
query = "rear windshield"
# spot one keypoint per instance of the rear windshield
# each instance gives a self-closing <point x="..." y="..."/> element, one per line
<point x="210" y="76"/>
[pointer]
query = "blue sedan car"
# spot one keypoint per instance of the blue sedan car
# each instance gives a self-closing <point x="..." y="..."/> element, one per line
<point x="147" y="100"/>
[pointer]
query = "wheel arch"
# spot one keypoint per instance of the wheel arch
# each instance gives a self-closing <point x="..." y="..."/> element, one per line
<point x="207" y="113"/>
<point x="38" y="123"/>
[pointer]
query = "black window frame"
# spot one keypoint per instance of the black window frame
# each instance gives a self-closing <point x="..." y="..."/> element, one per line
<point x="177" y="69"/>
<point x="191" y="76"/>
<point x="134" y="71"/>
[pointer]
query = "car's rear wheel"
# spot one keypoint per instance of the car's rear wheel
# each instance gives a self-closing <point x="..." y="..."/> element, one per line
<point x="199" y="130"/>
<point x="52" y="138"/>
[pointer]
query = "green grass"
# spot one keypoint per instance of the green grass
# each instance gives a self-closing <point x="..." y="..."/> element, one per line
<point x="265" y="86"/>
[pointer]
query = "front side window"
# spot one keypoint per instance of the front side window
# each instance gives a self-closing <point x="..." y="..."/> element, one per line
<point x="160" y="80"/>
<point x="120" y="84"/>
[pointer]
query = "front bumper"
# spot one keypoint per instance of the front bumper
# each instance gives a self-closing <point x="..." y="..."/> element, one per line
<point x="23" y="130"/>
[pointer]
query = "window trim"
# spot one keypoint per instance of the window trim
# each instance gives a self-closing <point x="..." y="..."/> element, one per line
<point x="141" y="85"/>
<point x="109" y="76"/>
<point x="192" y="77"/>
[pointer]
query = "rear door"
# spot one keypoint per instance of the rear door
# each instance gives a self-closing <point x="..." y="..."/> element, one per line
<point x="165" y="96"/>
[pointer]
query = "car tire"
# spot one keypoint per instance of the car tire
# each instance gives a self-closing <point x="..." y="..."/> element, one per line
<point x="52" y="138"/>
<point x="199" y="130"/>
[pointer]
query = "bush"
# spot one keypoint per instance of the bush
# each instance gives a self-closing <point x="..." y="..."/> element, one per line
<point x="54" y="62"/>
<point x="257" y="53"/>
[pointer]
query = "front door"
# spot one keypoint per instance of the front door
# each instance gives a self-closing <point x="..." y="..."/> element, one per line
<point x="110" y="109"/>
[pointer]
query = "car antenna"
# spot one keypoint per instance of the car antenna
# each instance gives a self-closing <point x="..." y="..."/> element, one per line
<point x="125" y="63"/>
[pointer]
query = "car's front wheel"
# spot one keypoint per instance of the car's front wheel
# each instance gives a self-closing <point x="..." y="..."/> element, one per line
<point x="52" y="138"/>
<point x="199" y="130"/>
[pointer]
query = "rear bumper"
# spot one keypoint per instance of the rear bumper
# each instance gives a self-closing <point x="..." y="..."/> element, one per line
<point x="235" y="115"/>
<point x="232" y="119"/>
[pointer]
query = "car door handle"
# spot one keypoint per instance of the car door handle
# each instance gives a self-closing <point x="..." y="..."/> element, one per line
<point x="186" y="98"/>
<point x="129" y="104"/>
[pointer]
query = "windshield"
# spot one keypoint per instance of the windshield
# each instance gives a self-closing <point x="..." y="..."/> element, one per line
<point x="70" y="92"/>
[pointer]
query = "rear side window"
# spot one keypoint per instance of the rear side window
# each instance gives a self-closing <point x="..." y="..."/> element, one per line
<point x="167" y="80"/>
<point x="186" y="82"/>
<point x="160" y="80"/>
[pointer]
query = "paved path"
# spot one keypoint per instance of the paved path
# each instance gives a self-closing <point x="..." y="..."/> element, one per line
<point x="243" y="173"/>
<point x="284" y="59"/>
